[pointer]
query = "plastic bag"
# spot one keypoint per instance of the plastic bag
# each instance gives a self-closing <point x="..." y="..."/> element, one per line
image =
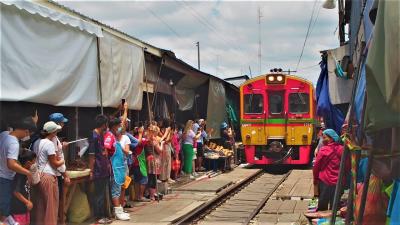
<point x="375" y="205"/>
<point x="79" y="210"/>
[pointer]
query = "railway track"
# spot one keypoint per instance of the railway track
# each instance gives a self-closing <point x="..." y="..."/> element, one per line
<point x="238" y="204"/>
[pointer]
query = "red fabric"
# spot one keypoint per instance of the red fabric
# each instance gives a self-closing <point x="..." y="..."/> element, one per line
<point x="326" y="167"/>
<point x="22" y="219"/>
<point x="138" y="150"/>
<point x="176" y="164"/>
<point x="176" y="144"/>
<point x="109" y="143"/>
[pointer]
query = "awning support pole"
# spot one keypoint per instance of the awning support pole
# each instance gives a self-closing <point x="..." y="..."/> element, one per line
<point x="99" y="76"/>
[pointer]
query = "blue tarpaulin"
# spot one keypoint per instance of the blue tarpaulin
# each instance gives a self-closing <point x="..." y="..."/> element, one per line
<point x="360" y="94"/>
<point x="333" y="116"/>
<point x="360" y="89"/>
<point x="355" y="18"/>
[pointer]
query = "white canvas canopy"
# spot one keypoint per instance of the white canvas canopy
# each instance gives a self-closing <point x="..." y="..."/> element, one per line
<point x="121" y="69"/>
<point x="216" y="109"/>
<point x="47" y="60"/>
<point x="33" y="8"/>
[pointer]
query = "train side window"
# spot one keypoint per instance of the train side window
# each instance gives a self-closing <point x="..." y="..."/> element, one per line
<point x="275" y="103"/>
<point x="253" y="103"/>
<point x="299" y="103"/>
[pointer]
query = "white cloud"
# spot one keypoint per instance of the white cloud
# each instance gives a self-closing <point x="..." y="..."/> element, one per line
<point x="227" y="32"/>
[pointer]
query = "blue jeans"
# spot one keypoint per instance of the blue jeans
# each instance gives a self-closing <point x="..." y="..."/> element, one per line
<point x="115" y="189"/>
<point x="5" y="196"/>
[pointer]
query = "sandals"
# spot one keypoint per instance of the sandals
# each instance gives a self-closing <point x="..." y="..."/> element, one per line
<point x="104" y="221"/>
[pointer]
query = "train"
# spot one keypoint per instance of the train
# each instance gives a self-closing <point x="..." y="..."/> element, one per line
<point x="278" y="119"/>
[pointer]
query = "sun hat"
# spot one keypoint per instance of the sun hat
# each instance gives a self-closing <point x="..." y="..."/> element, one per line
<point x="51" y="127"/>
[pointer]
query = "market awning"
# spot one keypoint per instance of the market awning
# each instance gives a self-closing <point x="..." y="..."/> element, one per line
<point x="36" y="9"/>
<point x="45" y="61"/>
<point x="121" y="70"/>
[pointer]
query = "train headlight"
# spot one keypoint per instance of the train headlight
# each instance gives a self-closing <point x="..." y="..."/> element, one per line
<point x="279" y="78"/>
<point x="271" y="78"/>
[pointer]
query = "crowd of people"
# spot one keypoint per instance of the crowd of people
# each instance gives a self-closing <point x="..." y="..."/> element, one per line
<point x="33" y="167"/>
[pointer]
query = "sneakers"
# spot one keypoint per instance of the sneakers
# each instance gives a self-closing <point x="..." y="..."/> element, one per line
<point x="120" y="214"/>
<point x="195" y="174"/>
<point x="191" y="177"/>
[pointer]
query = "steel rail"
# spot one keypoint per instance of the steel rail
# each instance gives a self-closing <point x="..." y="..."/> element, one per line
<point x="264" y="200"/>
<point x="197" y="214"/>
<point x="200" y="212"/>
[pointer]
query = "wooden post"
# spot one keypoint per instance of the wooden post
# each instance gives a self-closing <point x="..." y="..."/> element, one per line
<point x="99" y="76"/>
<point x="149" y="113"/>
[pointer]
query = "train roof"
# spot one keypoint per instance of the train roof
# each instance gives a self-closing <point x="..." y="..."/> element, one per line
<point x="286" y="75"/>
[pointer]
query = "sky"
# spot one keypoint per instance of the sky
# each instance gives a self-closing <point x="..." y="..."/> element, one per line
<point x="228" y="32"/>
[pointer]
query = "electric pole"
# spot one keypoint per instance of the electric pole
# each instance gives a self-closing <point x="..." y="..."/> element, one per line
<point x="198" y="54"/>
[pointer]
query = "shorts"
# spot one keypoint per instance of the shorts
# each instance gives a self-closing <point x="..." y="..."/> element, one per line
<point x="200" y="150"/>
<point x="115" y="189"/>
<point x="138" y="177"/>
<point x="5" y="196"/>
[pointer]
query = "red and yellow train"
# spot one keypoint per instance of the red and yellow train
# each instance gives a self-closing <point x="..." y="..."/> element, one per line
<point x="277" y="113"/>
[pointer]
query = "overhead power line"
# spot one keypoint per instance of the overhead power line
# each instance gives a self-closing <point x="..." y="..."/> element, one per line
<point x="208" y="25"/>
<point x="307" y="34"/>
<point x="165" y="23"/>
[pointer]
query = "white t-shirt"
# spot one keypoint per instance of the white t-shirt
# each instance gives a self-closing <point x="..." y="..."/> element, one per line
<point x="60" y="154"/>
<point x="9" y="149"/>
<point x="43" y="150"/>
<point x="124" y="140"/>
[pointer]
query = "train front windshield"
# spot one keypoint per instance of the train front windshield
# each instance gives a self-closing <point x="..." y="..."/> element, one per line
<point x="253" y="104"/>
<point x="299" y="103"/>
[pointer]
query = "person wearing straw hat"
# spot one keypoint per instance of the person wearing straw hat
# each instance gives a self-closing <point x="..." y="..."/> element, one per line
<point x="47" y="193"/>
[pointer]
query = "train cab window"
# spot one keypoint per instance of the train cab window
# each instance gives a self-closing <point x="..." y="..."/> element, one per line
<point x="253" y="104"/>
<point x="275" y="101"/>
<point x="299" y="103"/>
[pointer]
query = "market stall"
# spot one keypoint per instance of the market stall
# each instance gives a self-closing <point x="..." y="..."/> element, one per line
<point x="217" y="157"/>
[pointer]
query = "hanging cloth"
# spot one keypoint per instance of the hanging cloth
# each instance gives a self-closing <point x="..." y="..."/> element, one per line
<point x="338" y="67"/>
<point x="142" y="163"/>
<point x="332" y="115"/>
<point x="118" y="165"/>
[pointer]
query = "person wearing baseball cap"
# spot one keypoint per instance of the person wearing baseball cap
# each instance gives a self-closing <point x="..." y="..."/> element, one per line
<point x="47" y="201"/>
<point x="9" y="151"/>
<point x="62" y="177"/>
<point x="58" y="118"/>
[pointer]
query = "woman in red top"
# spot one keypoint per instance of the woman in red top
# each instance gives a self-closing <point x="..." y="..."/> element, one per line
<point x="326" y="168"/>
